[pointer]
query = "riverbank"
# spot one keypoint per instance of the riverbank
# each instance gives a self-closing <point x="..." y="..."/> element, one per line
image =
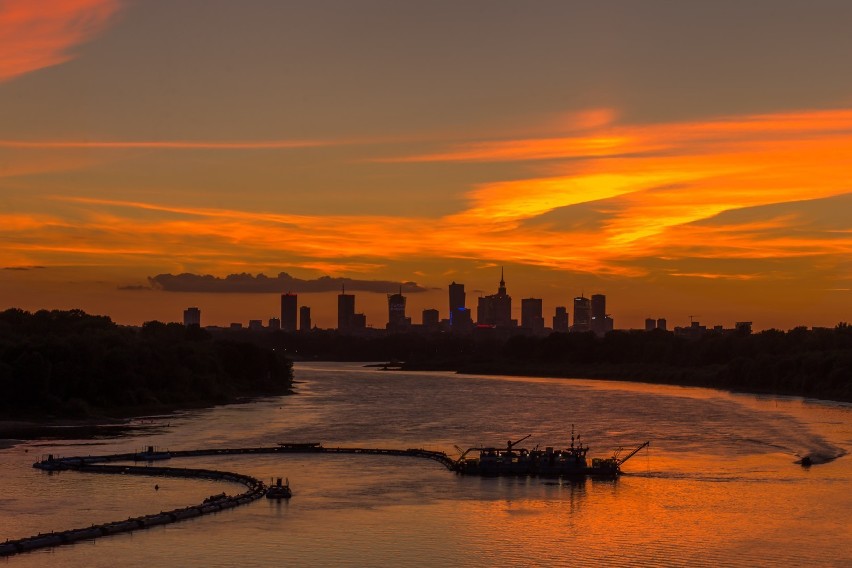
<point x="14" y="432"/>
<point x="713" y="377"/>
<point x="120" y="422"/>
<point x="60" y="366"/>
<point x="812" y="363"/>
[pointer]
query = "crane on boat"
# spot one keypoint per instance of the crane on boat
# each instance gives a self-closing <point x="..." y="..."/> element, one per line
<point x="510" y="444"/>
<point x="620" y="461"/>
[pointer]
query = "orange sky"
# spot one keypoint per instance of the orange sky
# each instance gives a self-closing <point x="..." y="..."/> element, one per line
<point x="140" y="139"/>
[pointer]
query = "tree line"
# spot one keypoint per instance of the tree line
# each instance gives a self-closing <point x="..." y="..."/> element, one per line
<point x="802" y="362"/>
<point x="69" y="363"/>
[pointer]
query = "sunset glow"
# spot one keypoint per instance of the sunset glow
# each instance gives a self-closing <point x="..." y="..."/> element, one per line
<point x="35" y="35"/>
<point x="571" y="198"/>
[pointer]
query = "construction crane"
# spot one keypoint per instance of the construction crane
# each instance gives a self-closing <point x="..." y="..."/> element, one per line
<point x="620" y="461"/>
<point x="511" y="444"/>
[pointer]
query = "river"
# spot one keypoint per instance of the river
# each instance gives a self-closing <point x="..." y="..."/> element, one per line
<point x="718" y="485"/>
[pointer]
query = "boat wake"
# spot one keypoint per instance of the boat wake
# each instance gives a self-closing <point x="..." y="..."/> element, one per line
<point x="819" y="452"/>
<point x="817" y="458"/>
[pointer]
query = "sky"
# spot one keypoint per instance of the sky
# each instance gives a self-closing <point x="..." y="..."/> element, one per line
<point x="683" y="158"/>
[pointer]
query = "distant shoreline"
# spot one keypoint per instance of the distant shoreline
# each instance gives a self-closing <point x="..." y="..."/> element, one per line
<point x="69" y="369"/>
<point x="14" y="432"/>
<point x="24" y="428"/>
<point x="701" y="377"/>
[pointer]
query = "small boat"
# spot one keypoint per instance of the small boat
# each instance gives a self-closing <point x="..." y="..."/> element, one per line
<point x="300" y="446"/>
<point x="151" y="453"/>
<point x="279" y="490"/>
<point x="50" y="463"/>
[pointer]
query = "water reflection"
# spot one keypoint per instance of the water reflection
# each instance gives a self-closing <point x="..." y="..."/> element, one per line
<point x="718" y="486"/>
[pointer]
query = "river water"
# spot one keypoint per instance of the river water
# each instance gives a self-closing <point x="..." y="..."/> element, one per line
<point x="717" y="487"/>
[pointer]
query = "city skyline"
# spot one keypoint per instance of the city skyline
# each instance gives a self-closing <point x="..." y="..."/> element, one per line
<point x="681" y="158"/>
<point x="493" y="310"/>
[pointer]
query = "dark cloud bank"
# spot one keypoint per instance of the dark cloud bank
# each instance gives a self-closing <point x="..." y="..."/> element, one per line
<point x="248" y="284"/>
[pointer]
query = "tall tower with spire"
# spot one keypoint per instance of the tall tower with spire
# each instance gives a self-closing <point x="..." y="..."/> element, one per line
<point x="496" y="309"/>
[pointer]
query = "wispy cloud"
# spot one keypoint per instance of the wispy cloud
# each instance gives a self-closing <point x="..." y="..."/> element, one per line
<point x="653" y="192"/>
<point x="162" y="145"/>
<point x="35" y="35"/>
<point x="605" y="139"/>
<point x="283" y="282"/>
<point x="714" y="276"/>
<point x="659" y="179"/>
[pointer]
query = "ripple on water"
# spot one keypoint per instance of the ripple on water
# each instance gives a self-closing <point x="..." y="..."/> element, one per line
<point x="717" y="487"/>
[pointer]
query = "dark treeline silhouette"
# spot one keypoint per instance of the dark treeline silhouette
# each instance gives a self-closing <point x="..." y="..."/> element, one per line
<point x="814" y="363"/>
<point x="72" y="364"/>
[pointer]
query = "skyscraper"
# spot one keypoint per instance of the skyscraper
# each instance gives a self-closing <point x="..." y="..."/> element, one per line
<point x="192" y="316"/>
<point x="598" y="306"/>
<point x="431" y="319"/>
<point x="345" y="311"/>
<point x="598" y="322"/>
<point x="462" y="321"/>
<point x="531" y="318"/>
<point x="359" y="321"/>
<point x="496" y="309"/>
<point x="289" y="310"/>
<point x="650" y="324"/>
<point x="560" y="320"/>
<point x="582" y="314"/>
<point x="396" y="312"/>
<point x="305" y="318"/>
<point x="457" y="299"/>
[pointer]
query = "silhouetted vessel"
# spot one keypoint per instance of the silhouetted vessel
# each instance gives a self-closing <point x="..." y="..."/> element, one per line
<point x="300" y="446"/>
<point x="279" y="490"/>
<point x="152" y="453"/>
<point x="549" y="462"/>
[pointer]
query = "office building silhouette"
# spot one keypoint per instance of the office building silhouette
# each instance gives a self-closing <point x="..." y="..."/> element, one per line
<point x="305" y="318"/>
<point x="345" y="311"/>
<point x="582" y="314"/>
<point x="289" y="311"/>
<point x="457" y="300"/>
<point x="396" y="312"/>
<point x="599" y="322"/>
<point x="560" y="320"/>
<point x="531" y="318"/>
<point x="431" y="319"/>
<point x="192" y="316"/>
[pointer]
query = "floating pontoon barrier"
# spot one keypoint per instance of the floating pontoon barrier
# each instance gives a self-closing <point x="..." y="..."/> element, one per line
<point x="256" y="488"/>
